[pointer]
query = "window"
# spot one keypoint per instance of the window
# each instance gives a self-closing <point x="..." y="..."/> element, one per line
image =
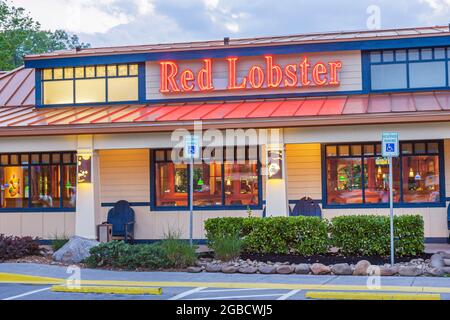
<point x="47" y="181"/>
<point x="357" y="174"/>
<point x="408" y="69"/>
<point x="229" y="183"/>
<point x="90" y="84"/>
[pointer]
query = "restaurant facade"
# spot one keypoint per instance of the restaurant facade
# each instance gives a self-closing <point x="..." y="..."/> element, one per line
<point x="280" y="119"/>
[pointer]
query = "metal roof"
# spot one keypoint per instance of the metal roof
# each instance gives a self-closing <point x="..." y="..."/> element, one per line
<point x="318" y="37"/>
<point x="17" y="88"/>
<point x="355" y="109"/>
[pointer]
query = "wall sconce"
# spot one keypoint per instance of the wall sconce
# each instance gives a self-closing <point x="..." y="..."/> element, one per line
<point x="275" y="164"/>
<point x="84" y="168"/>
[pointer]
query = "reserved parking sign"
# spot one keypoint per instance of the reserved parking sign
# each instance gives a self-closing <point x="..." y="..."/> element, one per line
<point x="390" y="145"/>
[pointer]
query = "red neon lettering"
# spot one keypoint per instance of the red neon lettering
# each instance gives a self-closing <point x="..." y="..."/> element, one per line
<point x="256" y="77"/>
<point x="186" y="77"/>
<point x="334" y="67"/>
<point x="232" y="76"/>
<point x="168" y="77"/>
<point x="290" y="71"/>
<point x="204" y="76"/>
<point x="319" y="74"/>
<point x="304" y="69"/>
<point x="271" y="68"/>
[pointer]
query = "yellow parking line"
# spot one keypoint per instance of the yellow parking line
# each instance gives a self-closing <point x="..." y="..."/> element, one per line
<point x="108" y="290"/>
<point x="26" y="279"/>
<point x="371" y="296"/>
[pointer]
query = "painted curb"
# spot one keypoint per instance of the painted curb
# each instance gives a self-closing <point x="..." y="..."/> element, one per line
<point x="370" y="296"/>
<point x="108" y="290"/>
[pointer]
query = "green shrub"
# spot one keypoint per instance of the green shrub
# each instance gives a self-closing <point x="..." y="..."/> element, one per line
<point x="370" y="235"/>
<point x="118" y="254"/>
<point x="58" y="242"/>
<point x="278" y="235"/>
<point x="12" y="247"/>
<point x="179" y="253"/>
<point x="227" y="247"/>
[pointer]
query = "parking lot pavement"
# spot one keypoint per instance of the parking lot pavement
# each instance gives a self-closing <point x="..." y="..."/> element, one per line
<point x="210" y="286"/>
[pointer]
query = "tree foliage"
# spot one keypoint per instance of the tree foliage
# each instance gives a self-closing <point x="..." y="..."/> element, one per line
<point x="20" y="35"/>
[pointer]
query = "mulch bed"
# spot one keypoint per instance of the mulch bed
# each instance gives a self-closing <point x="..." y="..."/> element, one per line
<point x="329" y="259"/>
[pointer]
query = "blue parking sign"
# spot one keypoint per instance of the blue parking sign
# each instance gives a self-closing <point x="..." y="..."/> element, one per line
<point x="390" y="144"/>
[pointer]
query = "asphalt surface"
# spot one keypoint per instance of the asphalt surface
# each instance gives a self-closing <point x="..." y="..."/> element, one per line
<point x="208" y="285"/>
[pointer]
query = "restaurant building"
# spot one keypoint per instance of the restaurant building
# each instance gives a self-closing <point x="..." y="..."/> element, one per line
<point x="81" y="129"/>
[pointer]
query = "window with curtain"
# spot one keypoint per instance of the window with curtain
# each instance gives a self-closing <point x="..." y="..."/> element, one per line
<point x="37" y="180"/>
<point x="358" y="174"/>
<point x="218" y="183"/>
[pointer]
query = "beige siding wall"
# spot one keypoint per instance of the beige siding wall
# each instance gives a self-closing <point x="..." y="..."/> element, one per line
<point x="46" y="225"/>
<point x="303" y="171"/>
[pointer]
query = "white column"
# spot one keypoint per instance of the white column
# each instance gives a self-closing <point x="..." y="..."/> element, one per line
<point x="276" y="189"/>
<point x="87" y="197"/>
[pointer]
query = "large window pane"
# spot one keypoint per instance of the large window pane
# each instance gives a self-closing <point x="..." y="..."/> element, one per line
<point x="421" y="179"/>
<point x="241" y="183"/>
<point x="171" y="184"/>
<point x="93" y="90"/>
<point x="58" y="92"/>
<point x="376" y="178"/>
<point x="14" y="187"/>
<point x="389" y="76"/>
<point x="45" y="187"/>
<point x="207" y="184"/>
<point x="69" y="175"/>
<point x="427" y="74"/>
<point x="123" y="89"/>
<point x="344" y="181"/>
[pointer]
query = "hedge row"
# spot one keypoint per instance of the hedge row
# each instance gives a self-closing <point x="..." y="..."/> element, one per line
<point x="356" y="235"/>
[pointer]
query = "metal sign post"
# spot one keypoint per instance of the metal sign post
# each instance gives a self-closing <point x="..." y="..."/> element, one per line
<point x="390" y="149"/>
<point x="191" y="151"/>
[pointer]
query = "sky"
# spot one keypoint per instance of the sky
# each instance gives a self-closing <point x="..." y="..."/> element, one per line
<point x="125" y="22"/>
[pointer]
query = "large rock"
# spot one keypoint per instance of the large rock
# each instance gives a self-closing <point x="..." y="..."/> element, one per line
<point x="302" y="268"/>
<point x="434" y="272"/>
<point x="247" y="269"/>
<point x="75" y="250"/>
<point x="361" y="268"/>
<point x="436" y="261"/>
<point x="446" y="270"/>
<point x="213" y="267"/>
<point x="387" y="271"/>
<point x="444" y="254"/>
<point x="447" y="262"/>
<point x="267" y="269"/>
<point x="194" y="269"/>
<point x="410" y="271"/>
<point x="229" y="269"/>
<point x="319" y="268"/>
<point x="285" y="269"/>
<point x="342" y="269"/>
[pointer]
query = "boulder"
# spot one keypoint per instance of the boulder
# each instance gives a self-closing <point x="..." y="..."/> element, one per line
<point x="230" y="269"/>
<point x="213" y="267"/>
<point x="447" y="262"/>
<point x="319" y="268"/>
<point x="446" y="270"/>
<point x="444" y="254"/>
<point x="267" y="269"/>
<point x="200" y="263"/>
<point x="194" y="269"/>
<point x="342" y="269"/>
<point x="434" y="272"/>
<point x="75" y="250"/>
<point x="436" y="261"/>
<point x="388" y="271"/>
<point x="285" y="269"/>
<point x="248" y="270"/>
<point x="302" y="268"/>
<point x="361" y="268"/>
<point x="410" y="271"/>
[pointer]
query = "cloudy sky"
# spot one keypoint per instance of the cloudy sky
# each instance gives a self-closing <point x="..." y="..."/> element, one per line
<point x="122" y="22"/>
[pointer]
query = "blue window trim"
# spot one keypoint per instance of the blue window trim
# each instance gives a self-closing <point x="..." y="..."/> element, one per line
<point x="367" y="66"/>
<point x="141" y="87"/>
<point x="154" y="207"/>
<point x="442" y="191"/>
<point x="29" y="165"/>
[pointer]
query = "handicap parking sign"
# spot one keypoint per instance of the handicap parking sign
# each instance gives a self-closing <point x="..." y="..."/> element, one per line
<point x="390" y="144"/>
<point x="191" y="147"/>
